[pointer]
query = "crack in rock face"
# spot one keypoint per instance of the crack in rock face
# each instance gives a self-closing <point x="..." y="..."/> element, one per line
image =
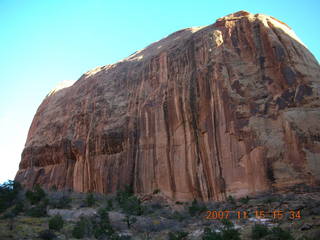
<point x="227" y="109"/>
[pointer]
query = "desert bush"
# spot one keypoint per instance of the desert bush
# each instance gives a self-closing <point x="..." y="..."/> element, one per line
<point x="109" y="204"/>
<point x="196" y="208"/>
<point x="18" y="208"/>
<point x="231" y="200"/>
<point x="81" y="229"/>
<point x="177" y="216"/>
<point x="47" y="235"/>
<point x="259" y="231"/>
<point x="277" y="233"/>
<point x="56" y="223"/>
<point x="61" y="203"/>
<point x="90" y="200"/>
<point x="156" y="206"/>
<point x="36" y="195"/>
<point x="39" y="210"/>
<point x="132" y="206"/>
<point x="177" y="235"/>
<point x="269" y="200"/>
<point x="53" y="188"/>
<point x="231" y="234"/>
<point x="244" y="200"/>
<point x="227" y="232"/>
<point x="156" y="191"/>
<point x="211" y="235"/>
<point x="129" y="220"/>
<point x="129" y="203"/>
<point x="103" y="227"/>
<point x="123" y="195"/>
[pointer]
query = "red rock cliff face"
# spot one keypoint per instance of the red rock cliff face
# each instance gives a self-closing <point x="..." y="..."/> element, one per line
<point x="228" y="109"/>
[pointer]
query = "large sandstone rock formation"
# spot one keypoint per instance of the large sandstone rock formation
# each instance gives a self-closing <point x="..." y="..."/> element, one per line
<point x="228" y="109"/>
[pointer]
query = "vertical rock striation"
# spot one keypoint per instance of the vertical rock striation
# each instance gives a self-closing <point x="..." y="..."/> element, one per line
<point x="228" y="109"/>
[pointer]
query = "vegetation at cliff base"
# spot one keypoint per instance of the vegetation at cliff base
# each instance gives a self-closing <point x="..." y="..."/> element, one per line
<point x="40" y="213"/>
<point x="226" y="232"/>
<point x="8" y="194"/>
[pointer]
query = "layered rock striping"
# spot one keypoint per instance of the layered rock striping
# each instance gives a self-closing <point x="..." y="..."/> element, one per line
<point x="228" y="109"/>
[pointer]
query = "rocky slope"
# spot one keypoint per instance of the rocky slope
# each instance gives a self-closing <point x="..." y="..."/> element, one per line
<point x="228" y="109"/>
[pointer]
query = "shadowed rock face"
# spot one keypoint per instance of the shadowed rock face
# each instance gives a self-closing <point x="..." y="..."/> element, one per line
<point x="228" y="109"/>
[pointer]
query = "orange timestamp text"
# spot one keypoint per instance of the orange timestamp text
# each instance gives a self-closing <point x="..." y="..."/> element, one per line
<point x="275" y="214"/>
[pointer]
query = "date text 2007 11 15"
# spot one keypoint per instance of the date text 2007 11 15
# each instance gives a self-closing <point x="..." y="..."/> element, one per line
<point x="274" y="214"/>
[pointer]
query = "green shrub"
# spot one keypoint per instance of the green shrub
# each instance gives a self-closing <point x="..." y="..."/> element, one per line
<point x="269" y="200"/>
<point x="156" y="191"/>
<point x="231" y="234"/>
<point x="211" y="235"/>
<point x="129" y="220"/>
<point x="156" y="206"/>
<point x="90" y="200"/>
<point x="244" y="200"/>
<point x="56" y="223"/>
<point x="129" y="203"/>
<point x="178" y="216"/>
<point x="103" y="226"/>
<point x="259" y="231"/>
<point x="80" y="229"/>
<point x="36" y="195"/>
<point x="109" y="204"/>
<point x="8" y="194"/>
<point x="18" y="208"/>
<point x="227" y="232"/>
<point x="123" y="195"/>
<point x="196" y="208"/>
<point x="8" y="215"/>
<point x="39" y="210"/>
<point x="278" y="233"/>
<point x="231" y="200"/>
<point x="47" y="235"/>
<point x="132" y="206"/>
<point x="177" y="235"/>
<point x="62" y="203"/>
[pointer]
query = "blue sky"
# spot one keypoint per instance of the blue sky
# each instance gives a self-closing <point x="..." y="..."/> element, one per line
<point x="43" y="43"/>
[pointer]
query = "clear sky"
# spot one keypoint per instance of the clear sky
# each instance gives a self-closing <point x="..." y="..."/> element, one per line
<point x="45" y="42"/>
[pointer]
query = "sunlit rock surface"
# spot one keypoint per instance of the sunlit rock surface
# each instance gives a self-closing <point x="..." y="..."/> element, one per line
<point x="228" y="109"/>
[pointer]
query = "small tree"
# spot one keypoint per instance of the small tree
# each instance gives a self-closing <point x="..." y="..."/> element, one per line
<point x="36" y="195"/>
<point x="103" y="226"/>
<point x="8" y="193"/>
<point x="56" y="223"/>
